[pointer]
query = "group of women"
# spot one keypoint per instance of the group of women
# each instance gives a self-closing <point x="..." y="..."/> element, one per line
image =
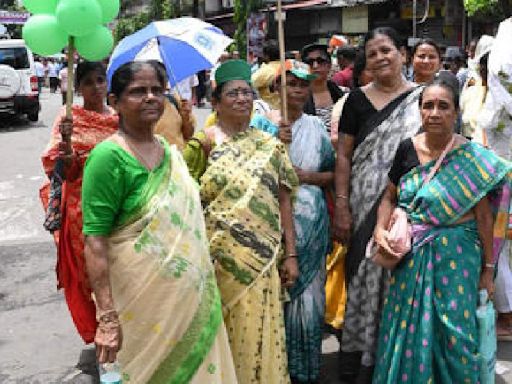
<point x="208" y="265"/>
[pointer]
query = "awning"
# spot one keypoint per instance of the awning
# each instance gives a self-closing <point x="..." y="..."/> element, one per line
<point x="351" y="3"/>
<point x="302" y="4"/>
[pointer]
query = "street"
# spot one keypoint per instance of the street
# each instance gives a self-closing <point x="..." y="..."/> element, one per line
<point x="38" y="342"/>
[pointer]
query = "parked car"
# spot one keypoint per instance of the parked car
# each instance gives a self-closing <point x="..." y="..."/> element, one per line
<point x="19" y="93"/>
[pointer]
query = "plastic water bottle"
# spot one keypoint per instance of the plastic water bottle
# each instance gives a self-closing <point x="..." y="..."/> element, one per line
<point x="110" y="373"/>
<point x="487" y="334"/>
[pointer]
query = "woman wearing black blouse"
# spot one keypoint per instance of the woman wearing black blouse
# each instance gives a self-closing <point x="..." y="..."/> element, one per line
<point x="375" y="119"/>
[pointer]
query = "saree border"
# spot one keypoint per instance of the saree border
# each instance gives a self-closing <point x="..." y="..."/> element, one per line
<point x="186" y="357"/>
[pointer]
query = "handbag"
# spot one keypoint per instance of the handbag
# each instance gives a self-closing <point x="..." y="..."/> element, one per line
<point x="53" y="219"/>
<point x="399" y="228"/>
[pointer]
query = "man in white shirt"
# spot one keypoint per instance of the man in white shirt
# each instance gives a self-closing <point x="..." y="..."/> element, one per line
<point x="53" y="74"/>
<point x="39" y="67"/>
<point x="63" y="80"/>
<point x="186" y="88"/>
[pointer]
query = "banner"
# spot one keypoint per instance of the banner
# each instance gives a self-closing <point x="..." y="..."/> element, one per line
<point x="257" y="27"/>
<point x="12" y="17"/>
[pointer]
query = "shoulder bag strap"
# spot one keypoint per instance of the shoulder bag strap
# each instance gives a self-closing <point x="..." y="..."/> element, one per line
<point x="435" y="168"/>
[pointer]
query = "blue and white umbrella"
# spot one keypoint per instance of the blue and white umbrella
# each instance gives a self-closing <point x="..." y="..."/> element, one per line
<point x="185" y="45"/>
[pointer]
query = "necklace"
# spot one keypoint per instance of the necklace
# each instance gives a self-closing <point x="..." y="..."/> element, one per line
<point x="148" y="162"/>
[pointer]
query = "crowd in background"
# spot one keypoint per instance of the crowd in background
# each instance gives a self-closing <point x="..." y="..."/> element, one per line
<point x="271" y="251"/>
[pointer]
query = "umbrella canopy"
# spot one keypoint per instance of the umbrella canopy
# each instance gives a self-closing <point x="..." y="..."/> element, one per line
<point x="185" y="45"/>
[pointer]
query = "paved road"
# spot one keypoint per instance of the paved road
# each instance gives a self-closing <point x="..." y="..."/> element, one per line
<point x="38" y="343"/>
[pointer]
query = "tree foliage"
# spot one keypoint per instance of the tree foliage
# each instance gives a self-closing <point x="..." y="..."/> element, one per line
<point x="473" y="6"/>
<point x="158" y="10"/>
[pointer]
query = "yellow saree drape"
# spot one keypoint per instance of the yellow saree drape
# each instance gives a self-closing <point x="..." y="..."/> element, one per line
<point x="239" y="191"/>
<point x="164" y="288"/>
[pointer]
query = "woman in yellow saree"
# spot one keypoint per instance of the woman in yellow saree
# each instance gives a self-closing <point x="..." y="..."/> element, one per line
<point x="158" y="305"/>
<point x="246" y="178"/>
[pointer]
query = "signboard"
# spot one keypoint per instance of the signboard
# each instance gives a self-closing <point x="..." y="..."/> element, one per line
<point x="256" y="34"/>
<point x="12" y="17"/>
<point x="355" y="19"/>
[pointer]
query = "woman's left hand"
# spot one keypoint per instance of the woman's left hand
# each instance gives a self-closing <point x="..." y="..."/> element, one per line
<point x="289" y="271"/>
<point x="487" y="281"/>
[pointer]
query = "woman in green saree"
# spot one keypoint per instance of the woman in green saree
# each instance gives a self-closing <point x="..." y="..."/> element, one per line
<point x="158" y="305"/>
<point x="428" y="331"/>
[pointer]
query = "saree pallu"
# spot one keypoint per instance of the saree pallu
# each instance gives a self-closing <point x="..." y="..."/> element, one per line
<point x="428" y="330"/>
<point x="239" y="191"/>
<point x="164" y="288"/>
<point x="376" y="146"/>
<point x="89" y="128"/>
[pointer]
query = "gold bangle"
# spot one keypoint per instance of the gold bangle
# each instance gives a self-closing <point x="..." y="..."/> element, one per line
<point x="341" y="196"/>
<point x="290" y="255"/>
<point x="489" y="265"/>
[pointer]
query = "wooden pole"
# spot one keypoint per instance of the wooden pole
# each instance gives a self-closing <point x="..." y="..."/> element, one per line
<point x="280" y="31"/>
<point x="71" y="77"/>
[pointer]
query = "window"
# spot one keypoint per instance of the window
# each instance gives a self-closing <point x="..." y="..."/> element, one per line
<point x="14" y="57"/>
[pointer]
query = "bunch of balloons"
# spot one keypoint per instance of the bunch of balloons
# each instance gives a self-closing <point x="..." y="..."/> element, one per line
<point x="46" y="32"/>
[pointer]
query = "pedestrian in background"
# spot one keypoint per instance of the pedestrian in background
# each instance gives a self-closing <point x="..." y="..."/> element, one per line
<point x="53" y="75"/>
<point x="346" y="57"/>
<point x="246" y="181"/>
<point x="429" y="330"/>
<point x="263" y="78"/>
<point x="496" y="119"/>
<point x="63" y="81"/>
<point x="39" y="73"/>
<point x="426" y="61"/>
<point x="91" y="123"/>
<point x="158" y="305"/>
<point x="324" y="92"/>
<point x="313" y="158"/>
<point x="375" y="118"/>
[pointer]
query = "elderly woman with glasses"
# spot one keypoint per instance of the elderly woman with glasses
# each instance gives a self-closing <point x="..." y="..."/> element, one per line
<point x="324" y="92"/>
<point x="246" y="179"/>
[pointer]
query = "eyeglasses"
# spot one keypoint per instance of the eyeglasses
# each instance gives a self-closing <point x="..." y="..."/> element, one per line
<point x="318" y="60"/>
<point x="245" y="93"/>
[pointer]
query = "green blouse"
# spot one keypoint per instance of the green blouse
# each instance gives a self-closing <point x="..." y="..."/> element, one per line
<point x="116" y="186"/>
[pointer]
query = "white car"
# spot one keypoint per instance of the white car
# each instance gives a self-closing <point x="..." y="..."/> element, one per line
<point x="19" y="93"/>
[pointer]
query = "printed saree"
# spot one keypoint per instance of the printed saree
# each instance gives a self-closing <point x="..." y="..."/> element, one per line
<point x="310" y="150"/>
<point x="239" y="191"/>
<point x="428" y="330"/>
<point x="89" y="128"/>
<point x="163" y="285"/>
<point x="376" y="147"/>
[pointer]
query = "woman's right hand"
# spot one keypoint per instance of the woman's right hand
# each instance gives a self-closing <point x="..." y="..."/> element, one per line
<point x="109" y="338"/>
<point x="285" y="132"/>
<point x="342" y="227"/>
<point x="380" y="236"/>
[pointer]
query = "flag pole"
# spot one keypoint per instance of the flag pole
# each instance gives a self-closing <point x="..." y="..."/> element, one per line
<point x="280" y="31"/>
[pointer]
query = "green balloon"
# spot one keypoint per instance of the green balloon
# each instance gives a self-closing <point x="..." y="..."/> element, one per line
<point x="40" y="6"/>
<point x="97" y="45"/>
<point x="109" y="9"/>
<point x="43" y="35"/>
<point x="79" y="17"/>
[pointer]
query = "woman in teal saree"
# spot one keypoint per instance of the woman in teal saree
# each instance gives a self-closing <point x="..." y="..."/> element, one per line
<point x="428" y="330"/>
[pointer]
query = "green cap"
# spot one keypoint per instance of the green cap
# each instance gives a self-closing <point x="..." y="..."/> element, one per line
<point x="233" y="70"/>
